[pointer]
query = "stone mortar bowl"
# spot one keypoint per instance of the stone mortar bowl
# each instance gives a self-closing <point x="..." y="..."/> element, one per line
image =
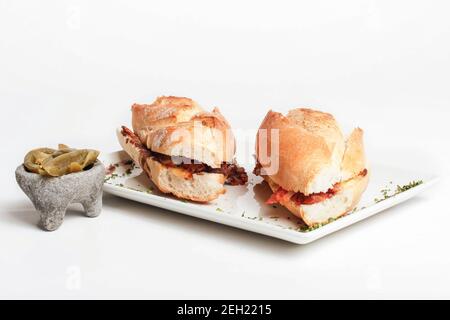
<point x="52" y="195"/>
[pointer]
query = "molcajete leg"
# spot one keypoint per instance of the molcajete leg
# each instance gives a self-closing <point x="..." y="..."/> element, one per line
<point x="52" y="218"/>
<point x="93" y="207"/>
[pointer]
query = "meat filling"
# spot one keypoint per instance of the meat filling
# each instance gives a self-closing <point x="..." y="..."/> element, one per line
<point x="234" y="174"/>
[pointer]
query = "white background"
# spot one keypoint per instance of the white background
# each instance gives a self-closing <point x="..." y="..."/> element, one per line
<point x="70" y="70"/>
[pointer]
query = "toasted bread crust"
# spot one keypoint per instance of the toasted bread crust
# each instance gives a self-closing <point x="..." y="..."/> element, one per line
<point x="163" y="111"/>
<point x="354" y="160"/>
<point x="180" y="127"/>
<point x="202" y="187"/>
<point x="311" y="147"/>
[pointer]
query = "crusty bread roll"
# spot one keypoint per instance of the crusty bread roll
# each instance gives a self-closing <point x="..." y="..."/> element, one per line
<point x="180" y="129"/>
<point x="312" y="158"/>
<point x="202" y="187"/>
<point x="311" y="147"/>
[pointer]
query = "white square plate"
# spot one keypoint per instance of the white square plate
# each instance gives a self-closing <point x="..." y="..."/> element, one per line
<point x="243" y="206"/>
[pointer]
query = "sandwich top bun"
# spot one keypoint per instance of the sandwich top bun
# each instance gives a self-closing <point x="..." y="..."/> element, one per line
<point x="180" y="127"/>
<point x="309" y="153"/>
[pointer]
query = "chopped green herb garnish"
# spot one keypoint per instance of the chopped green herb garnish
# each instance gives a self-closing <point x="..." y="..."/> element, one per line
<point x="306" y="228"/>
<point x="387" y="193"/>
<point x="111" y="177"/>
<point x="408" y="186"/>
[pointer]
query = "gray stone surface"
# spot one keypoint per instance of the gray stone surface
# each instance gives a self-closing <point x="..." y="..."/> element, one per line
<point x="52" y="195"/>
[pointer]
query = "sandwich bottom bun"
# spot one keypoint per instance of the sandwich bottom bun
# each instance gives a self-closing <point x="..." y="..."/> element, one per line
<point x="341" y="203"/>
<point x="202" y="187"/>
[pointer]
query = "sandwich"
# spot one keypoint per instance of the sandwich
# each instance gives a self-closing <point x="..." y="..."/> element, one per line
<point x="312" y="170"/>
<point x="184" y="150"/>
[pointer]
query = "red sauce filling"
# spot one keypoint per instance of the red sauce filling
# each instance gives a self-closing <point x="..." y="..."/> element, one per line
<point x="299" y="198"/>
